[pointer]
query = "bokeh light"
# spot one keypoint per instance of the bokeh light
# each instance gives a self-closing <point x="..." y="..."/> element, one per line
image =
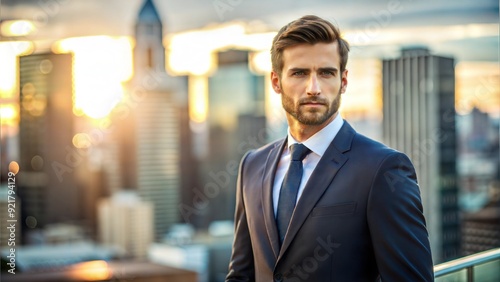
<point x="9" y="114"/>
<point x="14" y="167"/>
<point x="91" y="271"/>
<point x="17" y="28"/>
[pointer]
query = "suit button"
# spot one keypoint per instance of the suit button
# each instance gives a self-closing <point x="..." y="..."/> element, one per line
<point x="278" y="277"/>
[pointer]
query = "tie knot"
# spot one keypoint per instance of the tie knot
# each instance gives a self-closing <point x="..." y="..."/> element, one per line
<point x="299" y="152"/>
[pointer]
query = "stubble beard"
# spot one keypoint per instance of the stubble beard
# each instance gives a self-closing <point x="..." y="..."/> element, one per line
<point x="310" y="116"/>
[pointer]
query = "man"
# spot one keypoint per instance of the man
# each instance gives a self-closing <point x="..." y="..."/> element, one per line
<point x="325" y="203"/>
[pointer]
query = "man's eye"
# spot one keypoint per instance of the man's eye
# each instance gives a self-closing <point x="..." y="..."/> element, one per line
<point x="327" y="73"/>
<point x="298" y="73"/>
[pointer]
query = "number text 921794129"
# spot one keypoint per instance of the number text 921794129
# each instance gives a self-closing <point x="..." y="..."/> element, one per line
<point x="11" y="222"/>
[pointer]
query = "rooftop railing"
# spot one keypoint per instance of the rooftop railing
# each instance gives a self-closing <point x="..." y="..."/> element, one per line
<point x="480" y="267"/>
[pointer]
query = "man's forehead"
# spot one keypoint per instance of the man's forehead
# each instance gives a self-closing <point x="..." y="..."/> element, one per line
<point x="303" y="54"/>
<point x="330" y="45"/>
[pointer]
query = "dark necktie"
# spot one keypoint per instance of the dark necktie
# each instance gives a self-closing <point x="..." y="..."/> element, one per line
<point x="289" y="189"/>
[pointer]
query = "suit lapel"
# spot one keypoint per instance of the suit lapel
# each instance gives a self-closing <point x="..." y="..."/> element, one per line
<point x="327" y="168"/>
<point x="267" y="195"/>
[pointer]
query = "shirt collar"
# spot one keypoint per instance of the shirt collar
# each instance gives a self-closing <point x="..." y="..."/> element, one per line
<point x="319" y="142"/>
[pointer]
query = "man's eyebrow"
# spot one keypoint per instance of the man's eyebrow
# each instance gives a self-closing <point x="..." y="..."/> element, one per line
<point x="297" y="69"/>
<point x="330" y="69"/>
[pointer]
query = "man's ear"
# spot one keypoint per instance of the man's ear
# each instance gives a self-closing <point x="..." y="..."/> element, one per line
<point x="343" y="81"/>
<point x="275" y="82"/>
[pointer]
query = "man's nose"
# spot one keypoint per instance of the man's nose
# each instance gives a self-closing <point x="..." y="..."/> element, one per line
<point x="313" y="87"/>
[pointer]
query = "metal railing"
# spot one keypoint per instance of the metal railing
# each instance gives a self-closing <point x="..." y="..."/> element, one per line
<point x="484" y="266"/>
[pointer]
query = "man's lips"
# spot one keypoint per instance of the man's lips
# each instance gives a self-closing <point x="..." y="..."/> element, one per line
<point x="312" y="103"/>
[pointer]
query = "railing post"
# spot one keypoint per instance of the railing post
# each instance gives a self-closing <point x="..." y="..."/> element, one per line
<point x="470" y="273"/>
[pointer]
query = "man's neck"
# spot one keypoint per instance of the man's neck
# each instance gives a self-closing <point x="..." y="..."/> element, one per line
<point x="301" y="132"/>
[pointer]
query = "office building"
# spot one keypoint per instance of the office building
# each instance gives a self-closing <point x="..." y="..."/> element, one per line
<point x="419" y="120"/>
<point x="47" y="188"/>
<point x="481" y="230"/>
<point x="478" y="162"/>
<point x="236" y="123"/>
<point x="126" y="222"/>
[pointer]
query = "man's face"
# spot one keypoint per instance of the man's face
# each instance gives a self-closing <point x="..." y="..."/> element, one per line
<point x="310" y="83"/>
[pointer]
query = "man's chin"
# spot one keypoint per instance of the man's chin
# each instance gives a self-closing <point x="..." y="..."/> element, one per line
<point x="312" y="119"/>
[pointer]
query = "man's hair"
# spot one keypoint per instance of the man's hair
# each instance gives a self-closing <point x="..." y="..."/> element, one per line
<point x="310" y="30"/>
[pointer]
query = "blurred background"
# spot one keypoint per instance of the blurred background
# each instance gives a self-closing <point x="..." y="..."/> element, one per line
<point x="125" y="122"/>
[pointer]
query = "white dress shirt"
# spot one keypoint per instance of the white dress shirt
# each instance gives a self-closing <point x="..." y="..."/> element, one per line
<point x="318" y="143"/>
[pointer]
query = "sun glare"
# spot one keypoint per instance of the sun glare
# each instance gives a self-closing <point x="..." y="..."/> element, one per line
<point x="193" y="52"/>
<point x="8" y="75"/>
<point x="101" y="65"/>
<point x="260" y="62"/>
<point x="198" y="98"/>
<point x="9" y="109"/>
<point x="8" y="114"/>
<point x="477" y="85"/>
<point x="364" y="96"/>
<point x="17" y="28"/>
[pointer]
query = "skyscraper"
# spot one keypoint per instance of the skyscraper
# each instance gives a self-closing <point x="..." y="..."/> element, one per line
<point x="419" y="119"/>
<point x="161" y="124"/>
<point x="150" y="144"/>
<point x="47" y="187"/>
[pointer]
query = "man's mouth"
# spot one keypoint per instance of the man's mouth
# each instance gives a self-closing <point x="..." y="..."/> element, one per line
<point x="312" y="103"/>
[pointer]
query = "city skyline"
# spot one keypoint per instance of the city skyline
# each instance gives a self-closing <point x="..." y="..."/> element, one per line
<point x="152" y="107"/>
<point x="377" y="31"/>
<point x="475" y="84"/>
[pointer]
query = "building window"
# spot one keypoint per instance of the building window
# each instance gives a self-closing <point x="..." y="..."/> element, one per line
<point x="150" y="58"/>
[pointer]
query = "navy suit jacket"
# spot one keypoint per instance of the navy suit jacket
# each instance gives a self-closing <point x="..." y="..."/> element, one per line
<point x="359" y="218"/>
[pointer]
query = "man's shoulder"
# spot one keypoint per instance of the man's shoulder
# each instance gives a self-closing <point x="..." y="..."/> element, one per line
<point x="374" y="154"/>
<point x="365" y="141"/>
<point x="264" y="151"/>
<point x="371" y="147"/>
<point x="268" y="147"/>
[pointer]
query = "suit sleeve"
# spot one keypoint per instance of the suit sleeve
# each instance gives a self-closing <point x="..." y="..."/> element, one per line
<point x="241" y="265"/>
<point x="397" y="224"/>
